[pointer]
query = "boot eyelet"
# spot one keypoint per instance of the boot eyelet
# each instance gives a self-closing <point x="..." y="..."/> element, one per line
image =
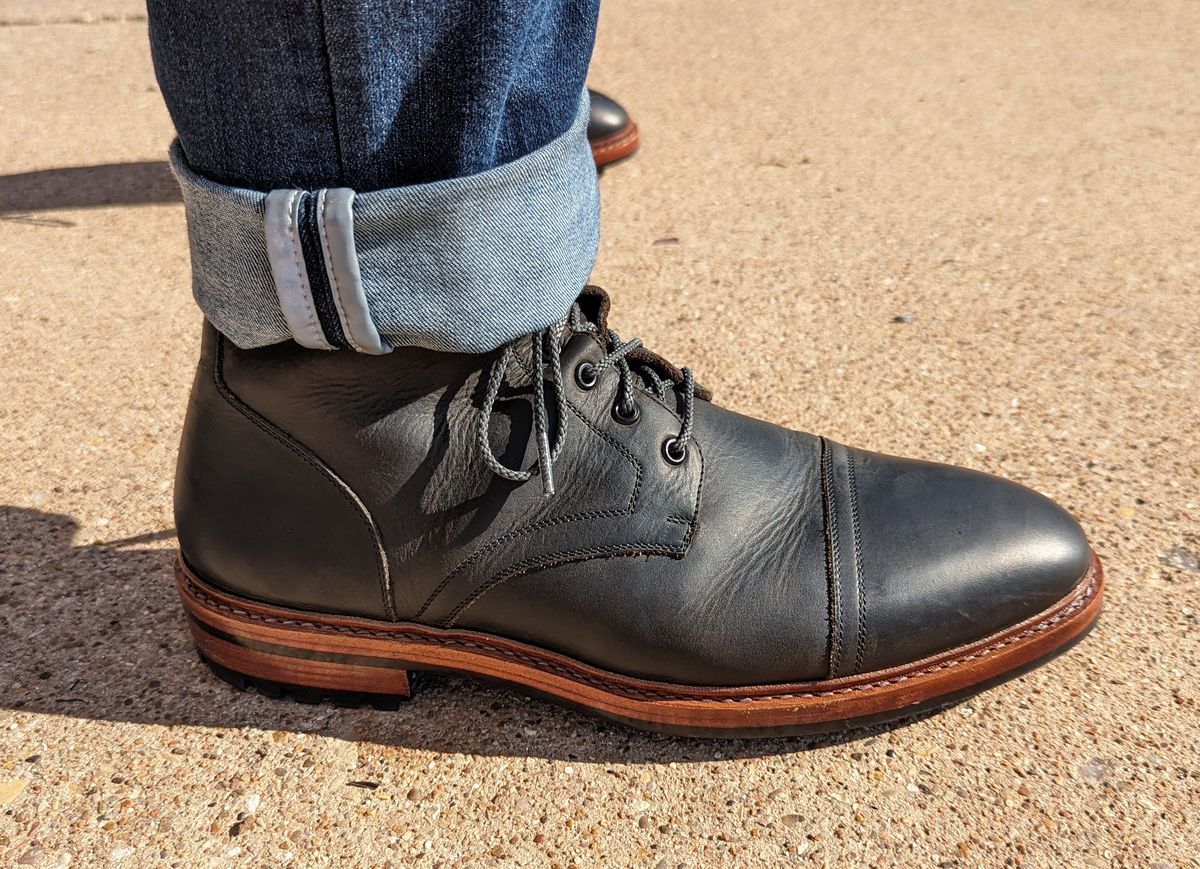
<point x="585" y="375"/>
<point x="626" y="413"/>
<point x="673" y="452"/>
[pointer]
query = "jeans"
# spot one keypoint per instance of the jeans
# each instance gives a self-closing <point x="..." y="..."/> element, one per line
<point x="366" y="174"/>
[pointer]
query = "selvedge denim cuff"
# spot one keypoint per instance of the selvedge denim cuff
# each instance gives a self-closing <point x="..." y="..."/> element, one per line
<point x="463" y="265"/>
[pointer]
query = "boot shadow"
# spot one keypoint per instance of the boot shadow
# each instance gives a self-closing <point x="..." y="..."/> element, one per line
<point x="146" y="182"/>
<point x="95" y="631"/>
<point x="24" y="194"/>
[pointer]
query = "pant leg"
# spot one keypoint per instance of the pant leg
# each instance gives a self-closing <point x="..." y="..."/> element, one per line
<point x="375" y="173"/>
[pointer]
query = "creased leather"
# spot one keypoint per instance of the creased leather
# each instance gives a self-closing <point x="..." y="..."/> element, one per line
<point x="258" y="510"/>
<point x="403" y="435"/>
<point x="714" y="572"/>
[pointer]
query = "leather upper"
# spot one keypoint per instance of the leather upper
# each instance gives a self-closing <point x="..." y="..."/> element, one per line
<point x="607" y="117"/>
<point x="346" y="483"/>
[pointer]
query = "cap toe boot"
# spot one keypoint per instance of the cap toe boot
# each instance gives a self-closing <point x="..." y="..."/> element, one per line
<point x="603" y="534"/>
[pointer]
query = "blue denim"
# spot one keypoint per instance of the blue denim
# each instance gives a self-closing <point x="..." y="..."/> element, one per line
<point x="369" y="174"/>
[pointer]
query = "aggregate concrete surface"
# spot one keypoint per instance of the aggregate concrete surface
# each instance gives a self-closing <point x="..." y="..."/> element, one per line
<point x="964" y="231"/>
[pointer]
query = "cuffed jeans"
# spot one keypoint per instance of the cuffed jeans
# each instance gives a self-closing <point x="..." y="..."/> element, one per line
<point x="366" y="174"/>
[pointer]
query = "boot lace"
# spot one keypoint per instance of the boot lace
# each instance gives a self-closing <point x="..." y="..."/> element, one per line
<point x="545" y="353"/>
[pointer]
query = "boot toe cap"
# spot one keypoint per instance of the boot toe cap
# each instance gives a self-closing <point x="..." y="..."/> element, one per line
<point x="607" y="117"/>
<point x="951" y="556"/>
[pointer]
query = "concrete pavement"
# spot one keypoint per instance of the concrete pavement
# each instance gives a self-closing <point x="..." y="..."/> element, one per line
<point x="967" y="232"/>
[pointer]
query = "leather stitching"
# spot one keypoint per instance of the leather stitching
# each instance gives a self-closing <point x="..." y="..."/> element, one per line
<point x="832" y="560"/>
<point x="269" y="428"/>
<point x="627" y="549"/>
<point x="858" y="568"/>
<point x="616" y="142"/>
<point x="553" y="521"/>
<point x="1068" y="612"/>
<point x="556" y="559"/>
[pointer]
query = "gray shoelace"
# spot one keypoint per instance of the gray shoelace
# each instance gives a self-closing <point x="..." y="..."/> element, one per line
<point x="546" y="354"/>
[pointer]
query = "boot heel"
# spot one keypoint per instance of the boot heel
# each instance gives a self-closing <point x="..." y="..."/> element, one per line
<point x="302" y="693"/>
<point x="251" y="648"/>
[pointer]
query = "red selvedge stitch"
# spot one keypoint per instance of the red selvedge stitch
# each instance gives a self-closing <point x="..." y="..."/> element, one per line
<point x="539" y="664"/>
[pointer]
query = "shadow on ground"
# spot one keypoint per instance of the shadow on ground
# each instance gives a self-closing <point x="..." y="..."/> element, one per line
<point x="26" y="193"/>
<point x="95" y="631"/>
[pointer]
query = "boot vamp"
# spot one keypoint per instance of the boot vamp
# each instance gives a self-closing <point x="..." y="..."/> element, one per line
<point x="808" y="560"/>
<point x="746" y="603"/>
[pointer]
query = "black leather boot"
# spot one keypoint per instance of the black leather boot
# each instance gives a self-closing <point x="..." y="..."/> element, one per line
<point x="603" y="534"/>
<point x="611" y="132"/>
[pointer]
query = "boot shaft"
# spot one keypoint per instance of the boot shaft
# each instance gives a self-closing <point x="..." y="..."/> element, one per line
<point x="356" y="484"/>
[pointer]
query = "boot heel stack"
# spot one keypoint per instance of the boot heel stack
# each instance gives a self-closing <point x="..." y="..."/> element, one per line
<point x="248" y="645"/>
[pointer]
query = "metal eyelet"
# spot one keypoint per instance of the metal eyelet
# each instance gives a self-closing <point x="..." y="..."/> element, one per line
<point x="626" y="413"/>
<point x="585" y="375"/>
<point x="673" y="452"/>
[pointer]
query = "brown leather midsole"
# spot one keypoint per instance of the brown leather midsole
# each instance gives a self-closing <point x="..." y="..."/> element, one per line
<point x="616" y="146"/>
<point x="359" y="654"/>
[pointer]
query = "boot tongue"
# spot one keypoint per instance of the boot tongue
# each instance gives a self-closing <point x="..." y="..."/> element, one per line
<point x="520" y="373"/>
<point x="595" y="304"/>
